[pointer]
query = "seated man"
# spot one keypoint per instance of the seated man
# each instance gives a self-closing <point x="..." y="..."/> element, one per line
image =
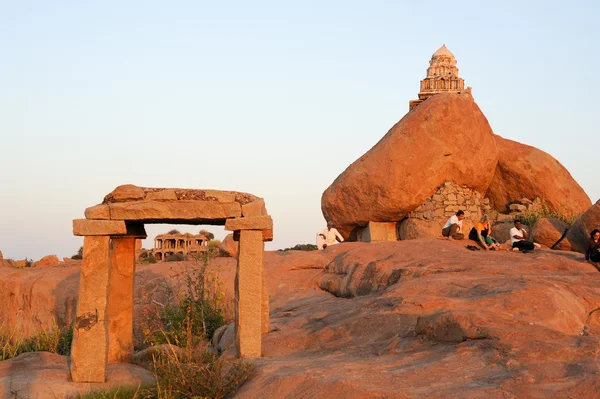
<point x="453" y="227"/>
<point x="519" y="238"/>
<point x="328" y="236"/>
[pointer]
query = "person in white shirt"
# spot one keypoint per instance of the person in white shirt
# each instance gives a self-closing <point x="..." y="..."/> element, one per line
<point x="453" y="227"/>
<point x="328" y="236"/>
<point x="520" y="238"/>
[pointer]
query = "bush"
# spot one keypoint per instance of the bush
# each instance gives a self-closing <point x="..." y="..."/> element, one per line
<point x="198" y="313"/>
<point x="79" y="254"/>
<point x="301" y="247"/>
<point x="531" y="217"/>
<point x="197" y="373"/>
<point x="174" y="231"/>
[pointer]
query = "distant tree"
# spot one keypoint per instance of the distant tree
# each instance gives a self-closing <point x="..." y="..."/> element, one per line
<point x="207" y="234"/>
<point x="79" y="254"/>
<point x="174" y="231"/>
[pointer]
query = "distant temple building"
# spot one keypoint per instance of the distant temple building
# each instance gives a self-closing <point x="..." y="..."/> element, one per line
<point x="184" y="244"/>
<point x="442" y="76"/>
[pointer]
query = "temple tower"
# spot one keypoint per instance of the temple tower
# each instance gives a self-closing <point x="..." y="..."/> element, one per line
<point x="442" y="76"/>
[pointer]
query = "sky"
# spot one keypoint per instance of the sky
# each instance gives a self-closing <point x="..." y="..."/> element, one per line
<point x="273" y="98"/>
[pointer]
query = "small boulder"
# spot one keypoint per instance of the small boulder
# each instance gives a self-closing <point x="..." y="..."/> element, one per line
<point x="501" y="231"/>
<point x="547" y="231"/>
<point x="412" y="229"/>
<point x="229" y="247"/>
<point x="49" y="260"/>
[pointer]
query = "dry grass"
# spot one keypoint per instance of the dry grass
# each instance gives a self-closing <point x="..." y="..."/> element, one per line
<point x="56" y="340"/>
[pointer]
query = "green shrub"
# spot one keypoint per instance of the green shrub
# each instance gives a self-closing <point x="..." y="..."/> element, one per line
<point x="79" y="254"/>
<point x="198" y="313"/>
<point x="174" y="231"/>
<point x="531" y="217"/>
<point x="301" y="247"/>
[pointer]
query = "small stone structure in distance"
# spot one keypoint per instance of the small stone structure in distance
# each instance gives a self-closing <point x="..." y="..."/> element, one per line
<point x="103" y="330"/>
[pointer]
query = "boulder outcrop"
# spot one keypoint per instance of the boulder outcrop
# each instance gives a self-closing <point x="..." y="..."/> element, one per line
<point x="229" y="247"/>
<point x="48" y="260"/>
<point x="526" y="172"/>
<point x="547" y="231"/>
<point x="424" y="318"/>
<point x="579" y="233"/>
<point x="446" y="138"/>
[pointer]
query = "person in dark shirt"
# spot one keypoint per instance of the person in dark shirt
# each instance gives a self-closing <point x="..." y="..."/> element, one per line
<point x="592" y="252"/>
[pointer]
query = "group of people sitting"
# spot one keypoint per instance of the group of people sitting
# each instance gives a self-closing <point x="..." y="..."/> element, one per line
<point x="519" y="237"/>
<point x="481" y="234"/>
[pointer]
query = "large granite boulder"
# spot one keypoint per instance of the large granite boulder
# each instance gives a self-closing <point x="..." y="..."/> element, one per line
<point x="446" y="138"/>
<point x="579" y="233"/>
<point x="526" y="172"/>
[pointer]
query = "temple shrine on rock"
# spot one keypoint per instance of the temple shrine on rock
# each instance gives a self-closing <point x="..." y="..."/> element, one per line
<point x="442" y="76"/>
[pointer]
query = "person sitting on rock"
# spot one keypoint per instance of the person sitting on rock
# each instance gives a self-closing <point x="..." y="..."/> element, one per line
<point x="481" y="235"/>
<point x="520" y="238"/>
<point x="453" y="227"/>
<point x="592" y="252"/>
<point x="328" y="236"/>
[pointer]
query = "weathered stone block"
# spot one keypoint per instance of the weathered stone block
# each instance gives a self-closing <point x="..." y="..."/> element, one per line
<point x="97" y="212"/>
<point x="451" y="197"/>
<point x="221" y="196"/>
<point x="163" y="195"/>
<point x="93" y="227"/>
<point x="128" y="192"/>
<point x="248" y="295"/>
<point x="255" y="208"/>
<point x="192" y="212"/>
<point x="120" y="300"/>
<point x="380" y="231"/>
<point x="249" y="223"/>
<point x="89" y="350"/>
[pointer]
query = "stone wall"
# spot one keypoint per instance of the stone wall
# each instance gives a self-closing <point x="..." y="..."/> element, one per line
<point x="449" y="199"/>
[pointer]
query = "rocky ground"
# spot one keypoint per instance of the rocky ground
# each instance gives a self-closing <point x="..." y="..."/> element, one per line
<point x="410" y="319"/>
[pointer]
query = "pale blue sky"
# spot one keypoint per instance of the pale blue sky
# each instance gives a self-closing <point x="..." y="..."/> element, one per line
<point x="270" y="97"/>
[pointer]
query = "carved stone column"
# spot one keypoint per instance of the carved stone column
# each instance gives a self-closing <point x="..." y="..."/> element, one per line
<point x="248" y="294"/>
<point x="89" y="350"/>
<point x="120" y="300"/>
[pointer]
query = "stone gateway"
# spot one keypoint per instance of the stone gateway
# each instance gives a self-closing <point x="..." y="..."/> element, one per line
<point x="103" y="331"/>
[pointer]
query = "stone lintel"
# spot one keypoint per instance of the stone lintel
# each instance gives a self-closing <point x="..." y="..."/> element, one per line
<point x="91" y="227"/>
<point x="193" y="212"/>
<point x="97" y="212"/>
<point x="255" y="208"/>
<point x="250" y="223"/>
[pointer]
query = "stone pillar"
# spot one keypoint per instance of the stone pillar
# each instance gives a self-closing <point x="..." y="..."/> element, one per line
<point x="120" y="300"/>
<point x="265" y="324"/>
<point x="248" y="294"/>
<point x="89" y="350"/>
